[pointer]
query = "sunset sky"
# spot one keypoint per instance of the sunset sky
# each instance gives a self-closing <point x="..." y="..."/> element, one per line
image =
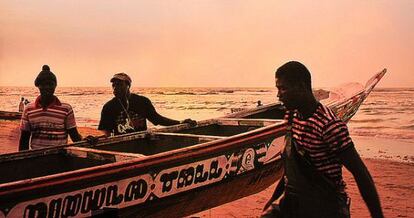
<point x="214" y="43"/>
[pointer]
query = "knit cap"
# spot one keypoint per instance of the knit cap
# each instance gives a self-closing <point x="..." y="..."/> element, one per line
<point x="45" y="75"/>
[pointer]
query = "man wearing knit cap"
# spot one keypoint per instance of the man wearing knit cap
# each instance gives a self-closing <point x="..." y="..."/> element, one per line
<point x="127" y="112"/>
<point x="47" y="121"/>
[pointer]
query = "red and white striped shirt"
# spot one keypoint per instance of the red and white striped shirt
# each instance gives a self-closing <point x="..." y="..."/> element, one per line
<point x="49" y="125"/>
<point x="323" y="136"/>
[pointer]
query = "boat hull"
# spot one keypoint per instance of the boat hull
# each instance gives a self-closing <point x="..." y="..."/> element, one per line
<point x="209" y="196"/>
<point x="9" y="115"/>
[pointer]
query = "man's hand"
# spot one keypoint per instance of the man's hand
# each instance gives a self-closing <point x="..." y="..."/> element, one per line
<point x="189" y="121"/>
<point x="92" y="140"/>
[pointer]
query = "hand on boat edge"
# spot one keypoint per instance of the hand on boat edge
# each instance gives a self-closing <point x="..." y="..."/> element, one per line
<point x="189" y="121"/>
<point x="92" y="140"/>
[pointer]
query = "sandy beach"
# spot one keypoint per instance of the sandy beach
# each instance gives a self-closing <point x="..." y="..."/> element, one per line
<point x="394" y="181"/>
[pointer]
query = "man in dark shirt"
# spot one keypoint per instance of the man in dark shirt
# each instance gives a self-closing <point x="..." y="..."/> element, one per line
<point x="127" y="112"/>
<point x="317" y="146"/>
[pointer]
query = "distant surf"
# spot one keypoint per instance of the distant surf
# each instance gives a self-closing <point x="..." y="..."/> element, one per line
<point x="387" y="113"/>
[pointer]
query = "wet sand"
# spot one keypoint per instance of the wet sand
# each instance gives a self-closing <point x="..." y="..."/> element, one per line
<point x="394" y="181"/>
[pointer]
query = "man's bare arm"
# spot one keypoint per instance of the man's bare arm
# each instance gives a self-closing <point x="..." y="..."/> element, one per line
<point x="352" y="161"/>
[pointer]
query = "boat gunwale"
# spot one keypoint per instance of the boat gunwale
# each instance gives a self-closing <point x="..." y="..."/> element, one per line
<point x="251" y="111"/>
<point x="129" y="136"/>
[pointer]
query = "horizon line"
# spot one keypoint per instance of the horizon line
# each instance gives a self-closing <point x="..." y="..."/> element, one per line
<point x="386" y="87"/>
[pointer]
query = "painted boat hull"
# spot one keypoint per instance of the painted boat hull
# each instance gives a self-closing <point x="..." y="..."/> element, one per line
<point x="160" y="184"/>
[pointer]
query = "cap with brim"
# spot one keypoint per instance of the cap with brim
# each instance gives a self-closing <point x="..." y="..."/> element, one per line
<point x="122" y="77"/>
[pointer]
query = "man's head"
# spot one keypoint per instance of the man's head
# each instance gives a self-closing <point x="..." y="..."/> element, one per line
<point x="46" y="82"/>
<point x="293" y="81"/>
<point x="121" y="83"/>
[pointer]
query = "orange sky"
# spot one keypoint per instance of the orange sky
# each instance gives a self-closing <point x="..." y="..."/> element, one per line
<point x="185" y="43"/>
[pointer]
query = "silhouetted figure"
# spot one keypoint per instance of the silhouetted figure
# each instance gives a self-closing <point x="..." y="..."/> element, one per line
<point x="21" y="105"/>
<point x="259" y="103"/>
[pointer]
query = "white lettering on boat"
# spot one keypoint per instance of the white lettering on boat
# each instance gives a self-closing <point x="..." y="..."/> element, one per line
<point x="83" y="202"/>
<point x="190" y="176"/>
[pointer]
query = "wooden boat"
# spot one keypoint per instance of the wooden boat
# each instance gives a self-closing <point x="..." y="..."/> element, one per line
<point x="171" y="172"/>
<point x="9" y="115"/>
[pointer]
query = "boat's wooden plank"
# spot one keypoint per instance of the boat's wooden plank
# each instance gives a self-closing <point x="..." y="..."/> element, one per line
<point x="248" y="122"/>
<point x="112" y="156"/>
<point x="115" y="139"/>
<point x="180" y="127"/>
<point x="201" y="138"/>
<point x="31" y="153"/>
<point x="10" y="115"/>
<point x="251" y="111"/>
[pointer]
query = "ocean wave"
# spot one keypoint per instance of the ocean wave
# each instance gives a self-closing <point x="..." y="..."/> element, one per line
<point x="410" y="127"/>
<point x="222" y="108"/>
<point x="398" y="90"/>
<point x="79" y="93"/>
<point x="378" y="112"/>
<point x="374" y="109"/>
<point x="188" y="93"/>
<point x="180" y="93"/>
<point x="210" y="93"/>
<point x="226" y="91"/>
<point x="158" y="93"/>
<point x="76" y="94"/>
<point x="198" y="107"/>
<point x="381" y="107"/>
<point x="404" y="135"/>
<point x="372" y="127"/>
<point x="14" y="93"/>
<point x="366" y="120"/>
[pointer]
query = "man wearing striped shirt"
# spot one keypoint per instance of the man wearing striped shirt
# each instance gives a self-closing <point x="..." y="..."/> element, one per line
<point x="47" y="121"/>
<point x="317" y="146"/>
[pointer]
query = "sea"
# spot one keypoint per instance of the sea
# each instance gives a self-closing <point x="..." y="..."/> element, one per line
<point x="385" y="118"/>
